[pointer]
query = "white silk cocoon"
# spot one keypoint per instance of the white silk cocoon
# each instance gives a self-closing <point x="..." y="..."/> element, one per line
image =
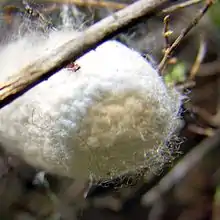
<point x="101" y="120"/>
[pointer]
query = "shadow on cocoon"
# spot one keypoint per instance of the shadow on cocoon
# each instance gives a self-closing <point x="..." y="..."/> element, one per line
<point x="111" y="116"/>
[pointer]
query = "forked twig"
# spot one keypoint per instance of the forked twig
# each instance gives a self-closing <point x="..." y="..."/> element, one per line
<point x="184" y="32"/>
<point x="46" y="66"/>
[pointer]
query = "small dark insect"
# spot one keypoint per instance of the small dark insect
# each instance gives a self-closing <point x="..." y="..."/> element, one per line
<point x="36" y="14"/>
<point x="29" y="10"/>
<point x="10" y="10"/>
<point x="73" y="66"/>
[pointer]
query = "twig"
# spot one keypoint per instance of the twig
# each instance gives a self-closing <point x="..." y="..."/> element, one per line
<point x="93" y="3"/>
<point x="186" y="85"/>
<point x="209" y="132"/>
<point x="207" y="148"/>
<point x="166" y="32"/>
<point x="209" y="69"/>
<point x="199" y="58"/>
<point x="46" y="66"/>
<point x="180" y="6"/>
<point x="117" y="6"/>
<point x="208" y="118"/>
<point x="183" y="34"/>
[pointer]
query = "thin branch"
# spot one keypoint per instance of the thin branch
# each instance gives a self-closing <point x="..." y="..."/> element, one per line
<point x="206" y="149"/>
<point x="166" y="32"/>
<point x="184" y="32"/>
<point x="209" y="69"/>
<point x="73" y="49"/>
<point x="209" y="132"/>
<point x="208" y="118"/>
<point x="185" y="85"/>
<point x="180" y="6"/>
<point x="117" y="6"/>
<point x="92" y="3"/>
<point x="199" y="58"/>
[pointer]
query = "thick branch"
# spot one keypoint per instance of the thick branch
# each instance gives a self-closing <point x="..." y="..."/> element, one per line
<point x="70" y="51"/>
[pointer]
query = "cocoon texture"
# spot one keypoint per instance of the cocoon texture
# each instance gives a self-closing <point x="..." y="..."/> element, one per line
<point x="111" y="116"/>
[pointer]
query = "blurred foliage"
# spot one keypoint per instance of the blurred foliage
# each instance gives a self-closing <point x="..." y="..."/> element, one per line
<point x="214" y="13"/>
<point x="217" y="194"/>
<point x="176" y="74"/>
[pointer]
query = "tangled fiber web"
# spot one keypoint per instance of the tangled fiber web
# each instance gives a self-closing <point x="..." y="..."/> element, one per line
<point x="112" y="116"/>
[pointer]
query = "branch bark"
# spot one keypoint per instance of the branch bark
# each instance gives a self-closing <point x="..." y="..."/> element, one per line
<point x="46" y="66"/>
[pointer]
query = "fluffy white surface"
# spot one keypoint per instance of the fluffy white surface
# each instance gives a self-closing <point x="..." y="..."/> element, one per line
<point x="100" y="120"/>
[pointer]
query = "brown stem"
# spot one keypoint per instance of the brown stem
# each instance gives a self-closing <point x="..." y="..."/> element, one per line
<point x="184" y="32"/>
<point x="73" y="49"/>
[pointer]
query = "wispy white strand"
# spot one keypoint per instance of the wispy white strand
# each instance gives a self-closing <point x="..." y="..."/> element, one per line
<point x="100" y="120"/>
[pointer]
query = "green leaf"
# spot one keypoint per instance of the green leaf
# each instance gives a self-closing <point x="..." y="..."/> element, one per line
<point x="213" y="13"/>
<point x="176" y="74"/>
